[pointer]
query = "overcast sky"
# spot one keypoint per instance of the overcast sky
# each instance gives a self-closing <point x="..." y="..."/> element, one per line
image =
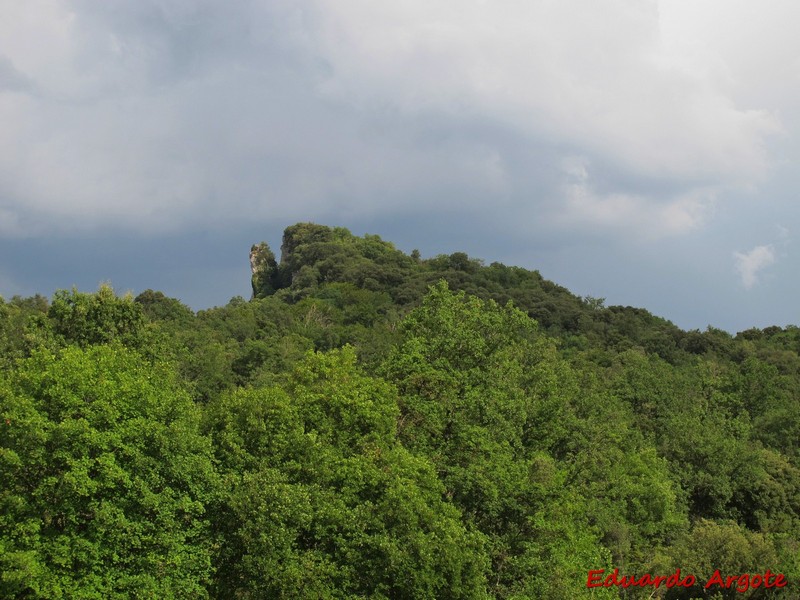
<point x="643" y="151"/>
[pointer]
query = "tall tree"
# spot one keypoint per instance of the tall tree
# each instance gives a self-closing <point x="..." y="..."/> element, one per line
<point x="104" y="478"/>
<point x="323" y="500"/>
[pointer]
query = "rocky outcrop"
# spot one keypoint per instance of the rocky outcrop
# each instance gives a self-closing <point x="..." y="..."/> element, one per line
<point x="263" y="269"/>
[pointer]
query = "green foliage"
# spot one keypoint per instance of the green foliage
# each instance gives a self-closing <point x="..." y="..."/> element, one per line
<point x="379" y="425"/>
<point x="325" y="503"/>
<point x="104" y="480"/>
<point x="730" y="548"/>
<point x="480" y="395"/>
<point x="158" y="307"/>
<point x="18" y="318"/>
<point x="98" y="318"/>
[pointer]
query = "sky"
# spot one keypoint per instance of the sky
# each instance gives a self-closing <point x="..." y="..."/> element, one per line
<point x="641" y="151"/>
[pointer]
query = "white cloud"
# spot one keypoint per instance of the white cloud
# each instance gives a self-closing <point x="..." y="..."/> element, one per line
<point x="750" y="264"/>
<point x="634" y="215"/>
<point x="593" y="74"/>
<point x="746" y="48"/>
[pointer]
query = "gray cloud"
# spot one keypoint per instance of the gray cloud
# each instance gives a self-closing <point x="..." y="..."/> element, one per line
<point x="750" y="264"/>
<point x="12" y="80"/>
<point x="163" y="115"/>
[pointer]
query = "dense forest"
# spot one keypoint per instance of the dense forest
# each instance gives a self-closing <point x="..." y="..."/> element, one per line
<point x="372" y="424"/>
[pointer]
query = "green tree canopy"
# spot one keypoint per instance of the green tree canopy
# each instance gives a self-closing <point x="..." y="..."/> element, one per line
<point x="104" y="479"/>
<point x="324" y="501"/>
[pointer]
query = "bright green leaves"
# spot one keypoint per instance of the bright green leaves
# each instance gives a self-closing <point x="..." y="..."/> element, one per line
<point x="460" y="378"/>
<point x="459" y="453"/>
<point x="325" y="503"/>
<point x="488" y="400"/>
<point x="98" y="318"/>
<point x="727" y="547"/>
<point x="463" y="332"/>
<point x="346" y="410"/>
<point x="461" y="366"/>
<point x="105" y="478"/>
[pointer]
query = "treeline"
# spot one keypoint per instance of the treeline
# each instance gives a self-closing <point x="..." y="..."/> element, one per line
<point x="378" y="425"/>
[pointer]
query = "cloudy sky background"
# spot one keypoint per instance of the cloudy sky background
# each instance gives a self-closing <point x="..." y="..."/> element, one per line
<point x="643" y="151"/>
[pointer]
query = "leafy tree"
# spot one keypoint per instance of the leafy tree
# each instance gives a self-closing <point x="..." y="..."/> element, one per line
<point x="98" y="318"/>
<point x="480" y="396"/>
<point x="325" y="503"/>
<point x="104" y="479"/>
<point x="158" y="307"/>
<point x="18" y="318"/>
<point x="730" y="548"/>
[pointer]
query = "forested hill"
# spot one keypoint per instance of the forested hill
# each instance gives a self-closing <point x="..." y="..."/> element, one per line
<point x="373" y="424"/>
<point x="333" y="265"/>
